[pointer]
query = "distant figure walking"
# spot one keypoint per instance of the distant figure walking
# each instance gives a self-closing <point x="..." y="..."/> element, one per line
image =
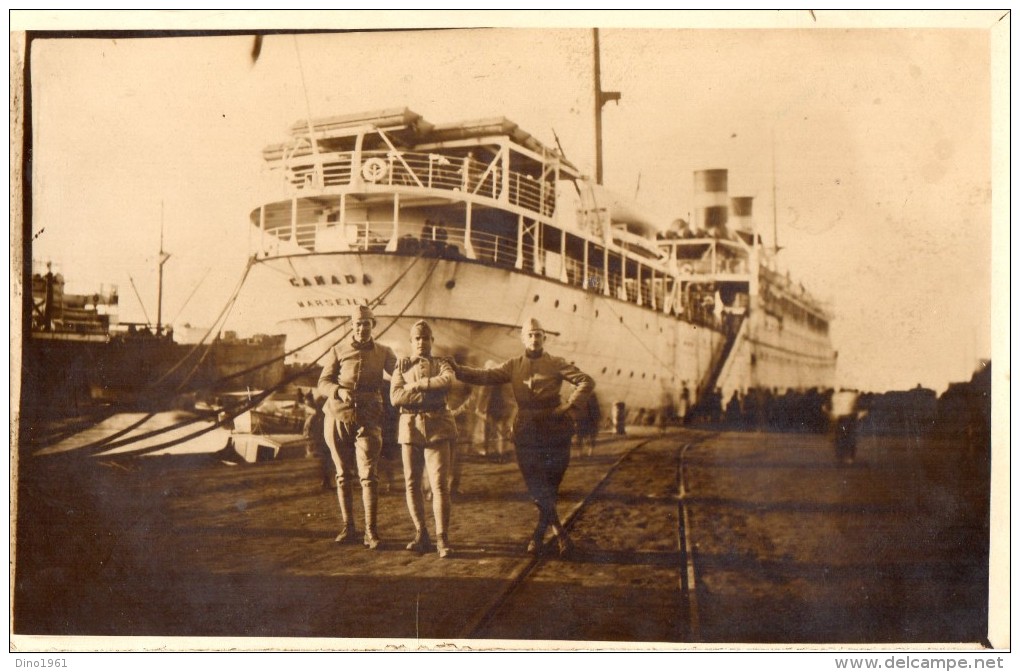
<point x="714" y="400"/>
<point x="462" y="400"/>
<point x="390" y="460"/>
<point x="315" y="441"/>
<point x="588" y="420"/>
<point x="844" y="413"/>
<point x="685" y="404"/>
<point x="734" y="411"/>
<point x="497" y="409"/>
<point x="665" y="412"/>
<point x="619" y="418"/>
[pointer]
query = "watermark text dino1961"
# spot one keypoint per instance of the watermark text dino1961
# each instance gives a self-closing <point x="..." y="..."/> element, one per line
<point x="40" y="662"/>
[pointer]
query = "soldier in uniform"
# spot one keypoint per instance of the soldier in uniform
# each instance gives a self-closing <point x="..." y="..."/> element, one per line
<point x="845" y="415"/>
<point x="426" y="433"/>
<point x="315" y="440"/>
<point x="543" y="428"/>
<point x="352" y="380"/>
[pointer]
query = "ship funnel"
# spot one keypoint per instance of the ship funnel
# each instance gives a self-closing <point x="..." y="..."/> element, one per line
<point x="710" y="201"/>
<point x="741" y="208"/>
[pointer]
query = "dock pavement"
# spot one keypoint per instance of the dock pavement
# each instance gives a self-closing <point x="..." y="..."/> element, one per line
<point x="683" y="538"/>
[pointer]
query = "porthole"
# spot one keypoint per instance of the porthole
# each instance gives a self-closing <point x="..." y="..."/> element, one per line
<point x="575" y="307"/>
<point x="631" y="374"/>
<point x="596" y="312"/>
<point x="535" y="299"/>
<point x="604" y="368"/>
<point x="556" y="303"/>
<point x="621" y="319"/>
<point x="618" y="372"/>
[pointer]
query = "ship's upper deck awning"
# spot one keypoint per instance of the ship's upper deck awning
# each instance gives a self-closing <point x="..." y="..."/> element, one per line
<point x="407" y="129"/>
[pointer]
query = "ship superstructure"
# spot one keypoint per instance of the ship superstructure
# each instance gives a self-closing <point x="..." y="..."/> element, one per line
<point x="475" y="225"/>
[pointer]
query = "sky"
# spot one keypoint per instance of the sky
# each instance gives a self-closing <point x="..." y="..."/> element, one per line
<point x="880" y="138"/>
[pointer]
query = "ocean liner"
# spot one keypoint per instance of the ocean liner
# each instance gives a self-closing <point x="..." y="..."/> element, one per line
<point x="476" y="225"/>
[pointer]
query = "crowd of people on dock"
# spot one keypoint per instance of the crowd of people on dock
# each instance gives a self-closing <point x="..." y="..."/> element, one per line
<point x="764" y="409"/>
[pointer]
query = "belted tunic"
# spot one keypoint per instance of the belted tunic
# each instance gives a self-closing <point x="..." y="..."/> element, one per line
<point x="357" y="368"/>
<point x="536" y="380"/>
<point x="424" y="416"/>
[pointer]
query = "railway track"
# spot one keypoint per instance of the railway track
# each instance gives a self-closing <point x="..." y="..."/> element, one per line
<point x="632" y="576"/>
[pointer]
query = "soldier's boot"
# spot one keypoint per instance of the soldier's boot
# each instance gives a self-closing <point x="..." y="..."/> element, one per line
<point x="416" y="507"/>
<point x="349" y="532"/>
<point x="537" y="543"/>
<point x="371" y="499"/>
<point x="443" y="545"/>
<point x="563" y="542"/>
<point x="421" y="542"/>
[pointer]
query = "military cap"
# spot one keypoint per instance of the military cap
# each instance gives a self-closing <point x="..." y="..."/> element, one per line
<point x="362" y="313"/>
<point x="423" y="327"/>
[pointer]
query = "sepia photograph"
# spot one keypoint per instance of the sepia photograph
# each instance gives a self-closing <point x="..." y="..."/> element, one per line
<point x="510" y="331"/>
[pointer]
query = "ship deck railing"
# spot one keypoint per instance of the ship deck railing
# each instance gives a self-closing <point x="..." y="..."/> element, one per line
<point x="422" y="170"/>
<point x="715" y="257"/>
<point x="627" y="278"/>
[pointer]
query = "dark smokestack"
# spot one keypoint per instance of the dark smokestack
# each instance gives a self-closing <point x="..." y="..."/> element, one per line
<point x="741" y="209"/>
<point x="710" y="200"/>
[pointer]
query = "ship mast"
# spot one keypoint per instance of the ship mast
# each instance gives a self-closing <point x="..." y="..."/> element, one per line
<point x="775" y="219"/>
<point x="163" y="258"/>
<point x="601" y="98"/>
<point x="308" y="117"/>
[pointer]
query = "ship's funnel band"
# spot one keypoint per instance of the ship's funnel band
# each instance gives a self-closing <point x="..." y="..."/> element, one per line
<point x="742" y="205"/>
<point x="712" y="180"/>
<point x="712" y="199"/>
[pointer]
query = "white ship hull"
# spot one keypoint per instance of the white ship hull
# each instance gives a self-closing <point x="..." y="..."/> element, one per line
<point x="638" y="355"/>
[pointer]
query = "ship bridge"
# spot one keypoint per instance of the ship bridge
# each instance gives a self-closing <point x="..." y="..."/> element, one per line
<point x="348" y="164"/>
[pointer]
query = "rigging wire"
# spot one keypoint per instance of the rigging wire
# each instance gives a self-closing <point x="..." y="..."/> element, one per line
<point x="140" y="302"/>
<point x="114" y="441"/>
<point x="191" y="296"/>
<point x="257" y="399"/>
<point x="216" y="326"/>
<point x="637" y="338"/>
<point x="374" y="302"/>
<point x="145" y="394"/>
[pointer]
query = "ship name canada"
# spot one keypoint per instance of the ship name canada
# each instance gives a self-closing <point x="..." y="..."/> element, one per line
<point x="321" y="280"/>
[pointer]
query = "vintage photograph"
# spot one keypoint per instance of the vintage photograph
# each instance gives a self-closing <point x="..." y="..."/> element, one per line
<point x="458" y="331"/>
